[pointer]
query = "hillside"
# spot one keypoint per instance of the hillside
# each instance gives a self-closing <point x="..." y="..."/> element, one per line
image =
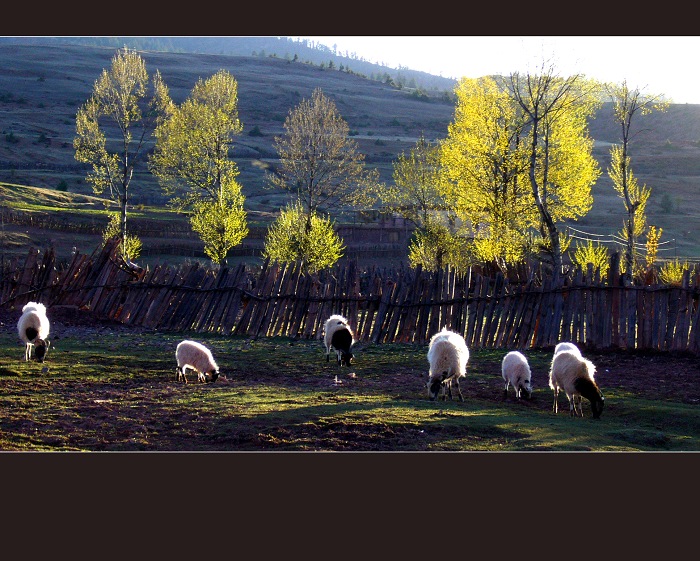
<point x="41" y="87"/>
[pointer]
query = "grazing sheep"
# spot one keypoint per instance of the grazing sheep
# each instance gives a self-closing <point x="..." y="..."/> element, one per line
<point x="33" y="328"/>
<point x="339" y="336"/>
<point x="197" y="357"/>
<point x="576" y="376"/>
<point x="516" y="372"/>
<point x="448" y="356"/>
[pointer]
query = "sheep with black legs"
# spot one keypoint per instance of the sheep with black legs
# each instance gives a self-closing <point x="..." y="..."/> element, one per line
<point x="195" y="356"/>
<point x="516" y="372"/>
<point x="338" y="335"/>
<point x="33" y="328"/>
<point x="447" y="356"/>
<point x="576" y="376"/>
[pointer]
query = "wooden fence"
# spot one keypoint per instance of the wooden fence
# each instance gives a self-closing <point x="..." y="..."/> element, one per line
<point x="383" y="306"/>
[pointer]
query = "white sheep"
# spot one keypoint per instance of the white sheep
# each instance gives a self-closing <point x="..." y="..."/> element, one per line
<point x="576" y="376"/>
<point x="33" y="328"/>
<point x="338" y="335"/>
<point x="197" y="357"/>
<point x="448" y="356"/>
<point x="516" y="372"/>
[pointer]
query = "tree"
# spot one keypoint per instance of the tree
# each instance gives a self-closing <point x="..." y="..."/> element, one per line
<point x="294" y="236"/>
<point x="220" y="223"/>
<point x="319" y="163"/>
<point x="115" y="123"/>
<point x="129" y="246"/>
<point x="434" y="246"/>
<point x="561" y="168"/>
<point x="626" y="104"/>
<point x="484" y="159"/>
<point x="417" y="196"/>
<point x="594" y="253"/>
<point x="191" y="161"/>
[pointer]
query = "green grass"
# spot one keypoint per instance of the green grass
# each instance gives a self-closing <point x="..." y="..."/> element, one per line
<point x="117" y="391"/>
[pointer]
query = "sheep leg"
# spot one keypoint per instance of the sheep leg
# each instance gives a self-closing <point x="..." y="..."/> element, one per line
<point x="555" y="406"/>
<point x="459" y="390"/>
<point x="505" y="391"/>
<point x="28" y="351"/>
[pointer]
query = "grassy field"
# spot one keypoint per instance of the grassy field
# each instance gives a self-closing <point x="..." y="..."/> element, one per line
<point x="110" y="389"/>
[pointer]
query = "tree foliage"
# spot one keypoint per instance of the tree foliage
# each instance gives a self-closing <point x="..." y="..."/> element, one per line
<point x="296" y="236"/>
<point x="220" y="223"/>
<point x="671" y="272"/>
<point x="129" y="246"/>
<point x="114" y="124"/>
<point x="560" y="167"/>
<point x="319" y="163"/>
<point x="483" y="158"/>
<point x="416" y="193"/>
<point x="594" y="253"/>
<point x="192" y="163"/>
<point x="434" y="247"/>
<point x="627" y="103"/>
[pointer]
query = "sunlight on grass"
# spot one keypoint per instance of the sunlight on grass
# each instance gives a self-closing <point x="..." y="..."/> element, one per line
<point x="118" y="391"/>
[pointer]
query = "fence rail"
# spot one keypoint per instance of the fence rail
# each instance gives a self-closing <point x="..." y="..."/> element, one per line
<point x="383" y="306"/>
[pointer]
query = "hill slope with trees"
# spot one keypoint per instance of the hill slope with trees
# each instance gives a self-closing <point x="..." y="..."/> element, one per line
<point x="42" y="87"/>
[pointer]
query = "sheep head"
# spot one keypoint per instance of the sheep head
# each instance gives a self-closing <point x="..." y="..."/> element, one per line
<point x="434" y="384"/>
<point x="345" y="358"/>
<point x="525" y="386"/>
<point x="41" y="348"/>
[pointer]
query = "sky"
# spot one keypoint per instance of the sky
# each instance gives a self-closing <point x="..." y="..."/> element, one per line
<point x="656" y="65"/>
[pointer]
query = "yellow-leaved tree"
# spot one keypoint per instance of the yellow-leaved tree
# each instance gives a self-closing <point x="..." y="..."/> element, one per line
<point x="483" y="159"/>
<point x="627" y="103"/>
<point x="294" y="236"/>
<point x="560" y="166"/>
<point x="191" y="161"/>
<point x="417" y="196"/>
<point x="320" y="165"/>
<point x="113" y="127"/>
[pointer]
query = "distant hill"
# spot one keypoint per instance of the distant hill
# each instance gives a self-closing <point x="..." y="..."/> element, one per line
<point x="42" y="86"/>
<point x="277" y="47"/>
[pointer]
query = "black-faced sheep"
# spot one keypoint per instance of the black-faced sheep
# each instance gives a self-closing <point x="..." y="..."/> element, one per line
<point x="338" y="335"/>
<point x="33" y="328"/>
<point x="448" y="356"/>
<point x="576" y="376"/>
<point x="516" y="372"/>
<point x="197" y="357"/>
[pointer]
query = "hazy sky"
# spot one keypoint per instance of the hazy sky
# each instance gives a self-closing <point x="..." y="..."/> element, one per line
<point x="654" y="64"/>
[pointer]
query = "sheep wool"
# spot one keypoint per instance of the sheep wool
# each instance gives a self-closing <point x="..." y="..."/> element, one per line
<point x="516" y="372"/>
<point x="576" y="376"/>
<point x="447" y="356"/>
<point x="566" y="346"/>
<point x="33" y="328"/>
<point x="197" y="357"/>
<point x="338" y="335"/>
